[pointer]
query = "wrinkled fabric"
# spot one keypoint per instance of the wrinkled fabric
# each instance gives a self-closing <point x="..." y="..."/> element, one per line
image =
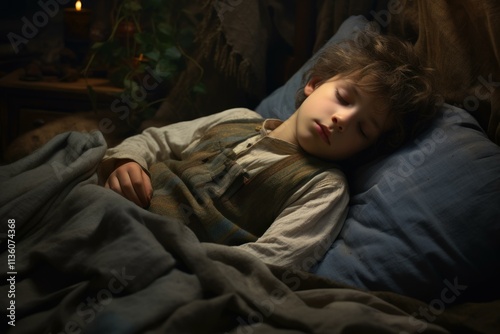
<point x="88" y="260"/>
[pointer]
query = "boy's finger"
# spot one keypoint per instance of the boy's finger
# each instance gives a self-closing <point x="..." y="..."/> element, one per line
<point x="147" y="187"/>
<point x="114" y="184"/>
<point x="137" y="180"/>
<point x="128" y="188"/>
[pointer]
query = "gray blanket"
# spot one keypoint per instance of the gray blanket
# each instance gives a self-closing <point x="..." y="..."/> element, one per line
<point x="78" y="258"/>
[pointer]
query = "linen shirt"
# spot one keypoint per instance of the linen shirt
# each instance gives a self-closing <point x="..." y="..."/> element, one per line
<point x="310" y="219"/>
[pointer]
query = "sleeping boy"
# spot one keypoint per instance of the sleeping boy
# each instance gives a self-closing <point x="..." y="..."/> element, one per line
<point x="274" y="188"/>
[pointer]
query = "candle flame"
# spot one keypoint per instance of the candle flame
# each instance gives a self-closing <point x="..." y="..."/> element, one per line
<point x="78" y="5"/>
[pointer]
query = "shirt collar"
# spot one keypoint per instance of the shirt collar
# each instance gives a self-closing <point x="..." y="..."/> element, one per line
<point x="269" y="125"/>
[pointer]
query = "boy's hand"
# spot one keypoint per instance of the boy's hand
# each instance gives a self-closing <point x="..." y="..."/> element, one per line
<point x="129" y="180"/>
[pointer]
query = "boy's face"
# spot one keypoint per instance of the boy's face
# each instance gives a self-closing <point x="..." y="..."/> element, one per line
<point x="338" y="120"/>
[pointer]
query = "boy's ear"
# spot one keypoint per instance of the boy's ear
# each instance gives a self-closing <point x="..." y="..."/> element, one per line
<point x="311" y="85"/>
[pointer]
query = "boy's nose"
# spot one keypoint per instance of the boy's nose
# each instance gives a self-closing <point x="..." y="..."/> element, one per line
<point x="341" y="120"/>
<point x="337" y="126"/>
<point x="339" y="123"/>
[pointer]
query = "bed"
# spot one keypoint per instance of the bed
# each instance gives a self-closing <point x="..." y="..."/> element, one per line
<point x="418" y="251"/>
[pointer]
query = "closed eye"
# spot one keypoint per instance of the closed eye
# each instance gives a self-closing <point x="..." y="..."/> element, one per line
<point x="340" y="98"/>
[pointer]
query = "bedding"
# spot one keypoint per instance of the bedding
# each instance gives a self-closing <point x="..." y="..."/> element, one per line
<point x="86" y="260"/>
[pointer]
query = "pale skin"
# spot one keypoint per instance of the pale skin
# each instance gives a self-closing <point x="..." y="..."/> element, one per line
<point x="334" y="122"/>
<point x="129" y="180"/>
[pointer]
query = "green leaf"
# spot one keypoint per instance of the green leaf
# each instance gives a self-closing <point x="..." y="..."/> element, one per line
<point x="173" y="53"/>
<point x="165" y="29"/>
<point x="130" y="85"/>
<point x="199" y="88"/>
<point x="153" y="55"/>
<point x="96" y="45"/>
<point x="165" y="68"/>
<point x="145" y="39"/>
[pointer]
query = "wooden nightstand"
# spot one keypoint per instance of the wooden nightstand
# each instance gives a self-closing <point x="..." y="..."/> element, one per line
<point x="26" y="105"/>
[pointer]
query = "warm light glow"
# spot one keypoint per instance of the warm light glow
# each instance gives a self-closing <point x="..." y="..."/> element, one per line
<point x="78" y="5"/>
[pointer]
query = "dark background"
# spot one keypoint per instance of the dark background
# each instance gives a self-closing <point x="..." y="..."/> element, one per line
<point x="48" y="40"/>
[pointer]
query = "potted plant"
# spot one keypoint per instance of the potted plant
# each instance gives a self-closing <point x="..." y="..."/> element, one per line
<point x="143" y="54"/>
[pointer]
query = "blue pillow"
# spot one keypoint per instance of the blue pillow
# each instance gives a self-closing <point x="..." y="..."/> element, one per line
<point x="425" y="218"/>
<point x="423" y="222"/>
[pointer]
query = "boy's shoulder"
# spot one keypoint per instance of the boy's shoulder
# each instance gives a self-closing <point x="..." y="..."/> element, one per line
<point x="237" y="114"/>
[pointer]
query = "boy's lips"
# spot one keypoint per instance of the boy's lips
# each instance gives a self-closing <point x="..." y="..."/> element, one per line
<point x="323" y="132"/>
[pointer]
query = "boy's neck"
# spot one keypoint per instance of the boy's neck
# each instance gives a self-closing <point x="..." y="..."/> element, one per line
<point x="286" y="131"/>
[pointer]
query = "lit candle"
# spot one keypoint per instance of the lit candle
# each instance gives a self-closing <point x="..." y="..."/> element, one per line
<point x="77" y="22"/>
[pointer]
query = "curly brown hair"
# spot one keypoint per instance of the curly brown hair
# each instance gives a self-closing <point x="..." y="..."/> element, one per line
<point x="386" y="67"/>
